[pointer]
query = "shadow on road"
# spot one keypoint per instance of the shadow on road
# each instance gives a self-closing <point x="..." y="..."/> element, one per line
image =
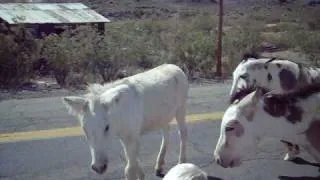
<point x="214" y="178"/>
<point x="298" y="178"/>
<point x="301" y="161"/>
<point x="160" y="174"/>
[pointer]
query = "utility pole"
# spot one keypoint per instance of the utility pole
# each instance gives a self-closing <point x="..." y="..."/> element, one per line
<point x="219" y="43"/>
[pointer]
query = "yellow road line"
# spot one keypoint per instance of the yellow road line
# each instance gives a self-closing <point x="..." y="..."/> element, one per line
<point x="192" y="118"/>
<point x="76" y="131"/>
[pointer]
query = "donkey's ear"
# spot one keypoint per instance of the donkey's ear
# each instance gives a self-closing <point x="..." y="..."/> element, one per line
<point x="259" y="92"/>
<point x="249" y="111"/>
<point x="257" y="95"/>
<point x="75" y="104"/>
<point x="108" y="100"/>
<point x="250" y="102"/>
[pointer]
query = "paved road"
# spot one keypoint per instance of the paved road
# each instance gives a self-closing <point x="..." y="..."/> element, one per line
<point x="49" y="113"/>
<point x="68" y="157"/>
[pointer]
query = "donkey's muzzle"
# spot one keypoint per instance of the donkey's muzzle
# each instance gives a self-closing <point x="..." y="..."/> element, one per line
<point x="220" y="162"/>
<point x="99" y="168"/>
<point x="227" y="163"/>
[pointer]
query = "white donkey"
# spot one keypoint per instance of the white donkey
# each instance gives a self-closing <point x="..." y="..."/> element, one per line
<point x="186" y="171"/>
<point x="129" y="108"/>
<point x="275" y="75"/>
<point x="291" y="117"/>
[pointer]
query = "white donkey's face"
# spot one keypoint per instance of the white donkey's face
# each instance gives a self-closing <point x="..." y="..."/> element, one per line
<point x="94" y="116"/>
<point x="275" y="75"/>
<point x="237" y="133"/>
<point x="248" y="73"/>
<point x="96" y="127"/>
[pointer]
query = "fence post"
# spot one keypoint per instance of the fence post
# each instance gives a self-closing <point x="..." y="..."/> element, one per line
<point x="219" y="42"/>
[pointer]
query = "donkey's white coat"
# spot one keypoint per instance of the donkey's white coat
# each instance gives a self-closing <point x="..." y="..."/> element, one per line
<point x="186" y="171"/>
<point x="253" y="69"/>
<point x="232" y="148"/>
<point x="129" y="108"/>
<point x="254" y="72"/>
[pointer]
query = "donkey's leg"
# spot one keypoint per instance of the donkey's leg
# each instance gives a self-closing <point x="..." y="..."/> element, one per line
<point x="292" y="150"/>
<point x="312" y="151"/>
<point x="292" y="153"/>
<point x="312" y="139"/>
<point x="181" y="120"/>
<point x="133" y="170"/>
<point x="162" y="153"/>
<point x="140" y="174"/>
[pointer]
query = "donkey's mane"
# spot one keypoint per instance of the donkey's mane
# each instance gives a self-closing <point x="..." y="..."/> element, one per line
<point x="97" y="89"/>
<point x="285" y="104"/>
<point x="252" y="55"/>
<point x="305" y="65"/>
<point x="270" y="60"/>
<point x="257" y="57"/>
<point x="300" y="93"/>
<point x="243" y="92"/>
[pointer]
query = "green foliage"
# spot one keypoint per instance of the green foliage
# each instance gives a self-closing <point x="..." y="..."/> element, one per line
<point x="196" y="51"/>
<point x="301" y="40"/>
<point x="309" y="43"/>
<point x="240" y="40"/>
<point x="18" y="52"/>
<point x="63" y="52"/>
<point x="187" y="39"/>
<point x="141" y="42"/>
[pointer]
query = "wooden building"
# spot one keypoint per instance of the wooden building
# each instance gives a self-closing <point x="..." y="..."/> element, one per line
<point x="46" y="18"/>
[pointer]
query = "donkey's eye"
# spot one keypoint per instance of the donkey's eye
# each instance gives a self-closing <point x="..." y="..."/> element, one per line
<point x="229" y="129"/>
<point x="244" y="76"/>
<point x="106" y="129"/>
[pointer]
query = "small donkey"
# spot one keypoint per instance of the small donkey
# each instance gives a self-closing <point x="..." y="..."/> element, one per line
<point x="257" y="113"/>
<point x="129" y="108"/>
<point x="274" y="75"/>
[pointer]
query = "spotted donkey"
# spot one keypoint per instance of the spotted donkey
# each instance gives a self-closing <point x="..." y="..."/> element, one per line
<point x="274" y="75"/>
<point x="256" y="113"/>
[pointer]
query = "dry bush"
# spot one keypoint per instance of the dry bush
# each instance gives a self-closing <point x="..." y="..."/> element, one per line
<point x="196" y="52"/>
<point x="63" y="53"/>
<point x="18" y="51"/>
<point x="188" y="40"/>
<point x="83" y="54"/>
<point x="239" y="40"/>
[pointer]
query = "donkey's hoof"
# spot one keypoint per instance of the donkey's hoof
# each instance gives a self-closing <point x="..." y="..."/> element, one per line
<point x="288" y="157"/>
<point x="159" y="173"/>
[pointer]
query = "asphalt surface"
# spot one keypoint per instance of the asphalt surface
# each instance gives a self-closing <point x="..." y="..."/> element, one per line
<point x="69" y="158"/>
<point x="49" y="112"/>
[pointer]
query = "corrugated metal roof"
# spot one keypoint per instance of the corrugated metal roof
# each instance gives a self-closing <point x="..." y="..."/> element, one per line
<point x="56" y="13"/>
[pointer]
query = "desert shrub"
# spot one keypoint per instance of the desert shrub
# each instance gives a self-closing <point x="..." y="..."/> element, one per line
<point x="301" y="40"/>
<point x="82" y="53"/>
<point x="64" y="53"/>
<point x="143" y="44"/>
<point x="203" y="22"/>
<point x="94" y="56"/>
<point x="244" y="38"/>
<point x="313" y="24"/>
<point x="195" y="50"/>
<point x="309" y="43"/>
<point x="18" y="51"/>
<point x="139" y="43"/>
<point x="105" y="53"/>
<point x="184" y="41"/>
